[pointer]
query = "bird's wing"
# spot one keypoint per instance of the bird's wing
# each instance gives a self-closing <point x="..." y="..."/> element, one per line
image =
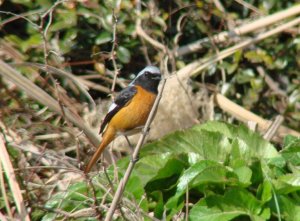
<point x="121" y="101"/>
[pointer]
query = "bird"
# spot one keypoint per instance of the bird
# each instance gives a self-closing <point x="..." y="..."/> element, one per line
<point x="129" y="110"/>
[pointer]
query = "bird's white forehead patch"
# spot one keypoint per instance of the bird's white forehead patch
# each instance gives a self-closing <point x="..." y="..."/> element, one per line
<point x="152" y="69"/>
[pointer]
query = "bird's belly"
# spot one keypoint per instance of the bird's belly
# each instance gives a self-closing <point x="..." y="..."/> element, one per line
<point x="135" y="114"/>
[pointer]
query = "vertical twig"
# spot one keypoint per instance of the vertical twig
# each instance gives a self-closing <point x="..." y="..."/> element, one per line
<point x="113" y="50"/>
<point x="187" y="204"/>
<point x="90" y="183"/>
<point x="44" y="31"/>
<point x="132" y="163"/>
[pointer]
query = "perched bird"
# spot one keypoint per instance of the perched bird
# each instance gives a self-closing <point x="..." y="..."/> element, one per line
<point x="129" y="110"/>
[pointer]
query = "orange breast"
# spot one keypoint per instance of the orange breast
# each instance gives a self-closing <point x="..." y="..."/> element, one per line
<point x="135" y="114"/>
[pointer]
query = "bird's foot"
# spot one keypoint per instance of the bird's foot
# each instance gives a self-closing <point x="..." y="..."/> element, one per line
<point x="135" y="159"/>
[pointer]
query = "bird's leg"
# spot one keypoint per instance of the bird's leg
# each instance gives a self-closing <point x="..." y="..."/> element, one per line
<point x="147" y="131"/>
<point x="130" y="145"/>
<point x="134" y="160"/>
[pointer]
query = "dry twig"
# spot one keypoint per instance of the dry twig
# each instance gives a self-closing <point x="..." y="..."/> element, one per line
<point x="197" y="66"/>
<point x="244" y="115"/>
<point x="44" y="98"/>
<point x="241" y="30"/>
<point x="12" y="180"/>
<point x="274" y="126"/>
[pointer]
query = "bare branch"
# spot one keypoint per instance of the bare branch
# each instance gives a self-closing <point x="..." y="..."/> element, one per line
<point x="241" y="30"/>
<point x="273" y="127"/>
<point x="244" y="115"/>
<point x="197" y="66"/>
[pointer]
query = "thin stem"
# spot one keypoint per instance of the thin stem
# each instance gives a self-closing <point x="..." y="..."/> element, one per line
<point x="113" y="50"/>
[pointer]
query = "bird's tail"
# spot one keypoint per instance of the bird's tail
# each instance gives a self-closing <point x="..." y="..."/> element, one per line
<point x="108" y="136"/>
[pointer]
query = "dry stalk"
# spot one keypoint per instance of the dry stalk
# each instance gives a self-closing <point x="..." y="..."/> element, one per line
<point x="44" y="98"/>
<point x="113" y="50"/>
<point x="199" y="65"/>
<point x="249" y="6"/>
<point x="241" y="30"/>
<point x="4" y="195"/>
<point x="12" y="180"/>
<point x="140" y="31"/>
<point x="20" y="16"/>
<point x="80" y="83"/>
<point x="275" y="125"/>
<point x="245" y="116"/>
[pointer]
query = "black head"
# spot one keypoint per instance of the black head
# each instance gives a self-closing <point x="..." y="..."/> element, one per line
<point x="148" y="79"/>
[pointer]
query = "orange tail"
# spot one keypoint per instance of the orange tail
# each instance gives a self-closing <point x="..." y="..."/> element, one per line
<point x="108" y="136"/>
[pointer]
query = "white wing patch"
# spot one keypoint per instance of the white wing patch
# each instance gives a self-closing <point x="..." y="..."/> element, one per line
<point x="112" y="106"/>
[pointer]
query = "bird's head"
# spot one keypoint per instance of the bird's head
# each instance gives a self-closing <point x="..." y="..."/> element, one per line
<point x="148" y="78"/>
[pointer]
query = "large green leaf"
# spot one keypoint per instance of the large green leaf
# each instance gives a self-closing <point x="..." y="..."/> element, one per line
<point x="215" y="141"/>
<point x="236" y="202"/>
<point x="208" y="145"/>
<point x="204" y="172"/>
<point x="253" y="144"/>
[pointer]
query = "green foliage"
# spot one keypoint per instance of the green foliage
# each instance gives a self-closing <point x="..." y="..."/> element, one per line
<point x="224" y="171"/>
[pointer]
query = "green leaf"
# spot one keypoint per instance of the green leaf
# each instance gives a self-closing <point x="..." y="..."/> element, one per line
<point x="72" y="199"/>
<point x="103" y="37"/>
<point x="244" y="174"/>
<point x="37" y="214"/>
<point x="250" y="143"/>
<point x="245" y="75"/>
<point x="193" y="172"/>
<point x="259" y="176"/>
<point x="135" y="192"/>
<point x="202" y="173"/>
<point x="65" y="19"/>
<point x="215" y="174"/>
<point x="291" y="152"/>
<point x="208" y="145"/>
<point x="159" y="207"/>
<point x="134" y="187"/>
<point x="156" y="167"/>
<point x="49" y="217"/>
<point x="289" y="208"/>
<point x="201" y="212"/>
<point x="186" y="179"/>
<point x="264" y="191"/>
<point x="287" y="183"/>
<point x="289" y="139"/>
<point x="236" y="202"/>
<point x="123" y="54"/>
<point x="259" y="56"/>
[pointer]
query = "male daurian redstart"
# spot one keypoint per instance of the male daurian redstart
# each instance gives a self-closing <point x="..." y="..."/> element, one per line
<point x="129" y="110"/>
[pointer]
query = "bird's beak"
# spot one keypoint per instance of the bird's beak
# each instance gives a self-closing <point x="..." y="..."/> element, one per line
<point x="156" y="77"/>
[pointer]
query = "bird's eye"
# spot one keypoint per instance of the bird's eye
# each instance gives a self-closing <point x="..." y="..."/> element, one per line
<point x="147" y="74"/>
